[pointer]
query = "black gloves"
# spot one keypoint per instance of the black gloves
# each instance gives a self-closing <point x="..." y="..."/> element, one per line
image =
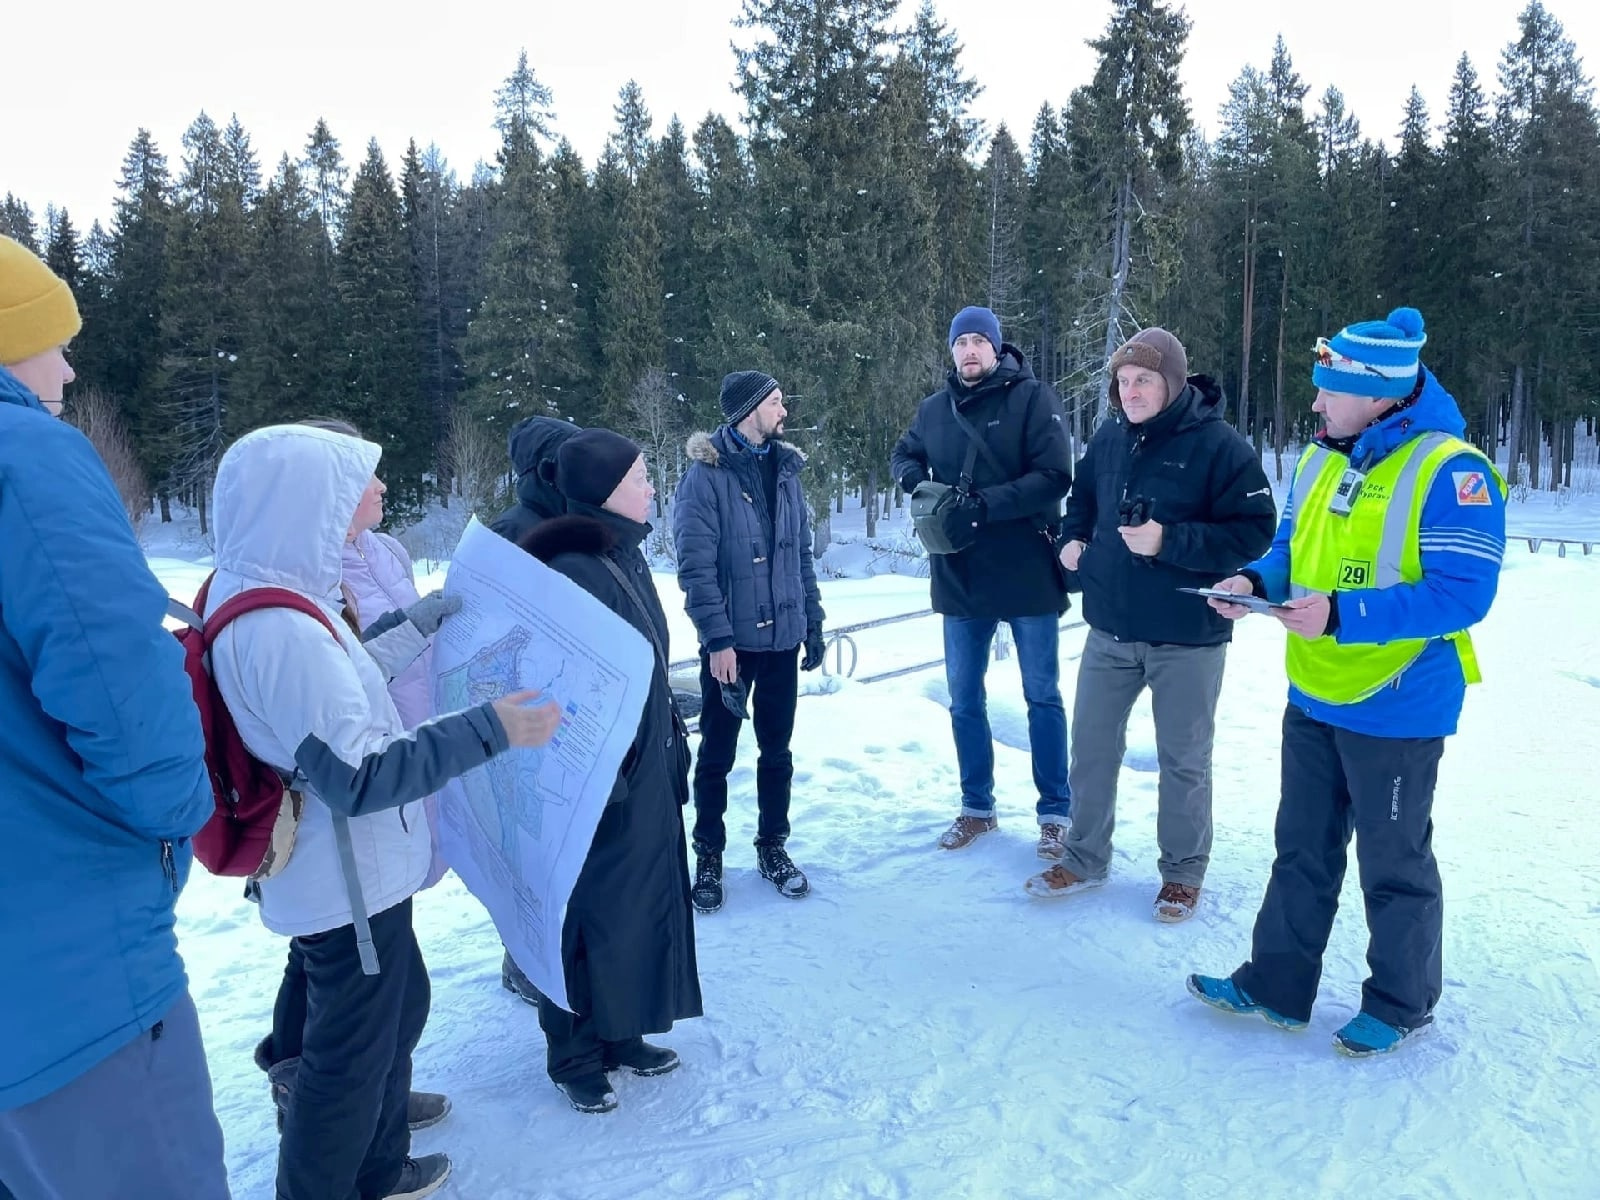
<point x="816" y="647"/>
<point x="963" y="518"/>
<point x="909" y="481"/>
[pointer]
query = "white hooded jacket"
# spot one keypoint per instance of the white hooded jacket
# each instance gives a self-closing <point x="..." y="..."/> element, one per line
<point x="284" y="499"/>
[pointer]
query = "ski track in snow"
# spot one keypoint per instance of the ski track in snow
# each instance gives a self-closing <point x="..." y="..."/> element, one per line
<point x="918" y="1027"/>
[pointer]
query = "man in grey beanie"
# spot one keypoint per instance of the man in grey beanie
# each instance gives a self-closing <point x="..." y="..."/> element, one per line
<point x="743" y="537"/>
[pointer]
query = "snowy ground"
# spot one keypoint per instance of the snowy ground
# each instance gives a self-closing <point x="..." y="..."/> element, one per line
<point x="918" y="1027"/>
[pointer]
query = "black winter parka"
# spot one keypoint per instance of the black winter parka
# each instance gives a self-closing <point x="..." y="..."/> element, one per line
<point x="1202" y="481"/>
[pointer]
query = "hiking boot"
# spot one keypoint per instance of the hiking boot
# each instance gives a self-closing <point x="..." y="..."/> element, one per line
<point x="965" y="830"/>
<point x="1176" y="902"/>
<point x="1364" y="1036"/>
<point x="1052" y="841"/>
<point x="1057" y="881"/>
<point x="779" y="869"/>
<point x="589" y="1093"/>
<point x="420" y="1177"/>
<point x="1228" y="996"/>
<point x="640" y="1057"/>
<point x="706" y="894"/>
<point x="423" y="1109"/>
<point x="514" y="981"/>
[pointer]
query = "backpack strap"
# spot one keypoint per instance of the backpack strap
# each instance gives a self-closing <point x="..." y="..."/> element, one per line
<point x="978" y="446"/>
<point x="254" y="600"/>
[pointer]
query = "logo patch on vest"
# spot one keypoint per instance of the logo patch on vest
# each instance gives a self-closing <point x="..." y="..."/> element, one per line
<point x="1471" y="487"/>
<point x="1354" y="573"/>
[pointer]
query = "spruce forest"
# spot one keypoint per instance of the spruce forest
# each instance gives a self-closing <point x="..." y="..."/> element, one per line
<point x="828" y="239"/>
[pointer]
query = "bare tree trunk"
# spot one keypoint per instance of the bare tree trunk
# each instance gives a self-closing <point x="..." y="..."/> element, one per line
<point x="200" y="507"/>
<point x="1278" y="421"/>
<point x="166" y="507"/>
<point x="1121" y="237"/>
<point x="869" y="501"/>
<point x="1514" y="430"/>
<point x="1247" y="317"/>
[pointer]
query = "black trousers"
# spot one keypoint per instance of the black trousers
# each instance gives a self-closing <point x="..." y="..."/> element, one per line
<point x="1336" y="782"/>
<point x="572" y="1047"/>
<point x="774" y="679"/>
<point x="345" y="1137"/>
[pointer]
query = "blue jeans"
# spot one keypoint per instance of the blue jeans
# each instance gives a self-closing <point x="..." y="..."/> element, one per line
<point x="966" y="660"/>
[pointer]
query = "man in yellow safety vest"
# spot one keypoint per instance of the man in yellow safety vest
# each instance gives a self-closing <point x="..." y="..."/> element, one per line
<point x="1389" y="550"/>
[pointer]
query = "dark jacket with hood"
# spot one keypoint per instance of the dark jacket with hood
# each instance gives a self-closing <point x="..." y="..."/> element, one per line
<point x="746" y="573"/>
<point x="1010" y="571"/>
<point x="628" y="941"/>
<point x="1201" y="479"/>
<point x="534" y="443"/>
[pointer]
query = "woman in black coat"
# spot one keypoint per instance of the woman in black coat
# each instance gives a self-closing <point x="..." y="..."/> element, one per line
<point x="628" y="942"/>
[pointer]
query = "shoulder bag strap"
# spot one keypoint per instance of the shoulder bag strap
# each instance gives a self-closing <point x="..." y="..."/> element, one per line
<point x="979" y="446"/>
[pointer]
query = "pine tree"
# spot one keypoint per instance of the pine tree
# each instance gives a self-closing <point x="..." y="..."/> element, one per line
<point x="1133" y="122"/>
<point x="202" y="313"/>
<point x="383" y="389"/>
<point x="684" y="323"/>
<point x="16" y="221"/>
<point x="519" y="349"/>
<point x="325" y="173"/>
<point x="136" y="290"/>
<point x="63" y="255"/>
<point x="1004" y="182"/>
<point x="428" y="195"/>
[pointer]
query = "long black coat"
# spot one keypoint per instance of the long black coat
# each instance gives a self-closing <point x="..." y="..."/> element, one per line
<point x="1202" y="481"/>
<point x="1010" y="571"/>
<point x="628" y="941"/>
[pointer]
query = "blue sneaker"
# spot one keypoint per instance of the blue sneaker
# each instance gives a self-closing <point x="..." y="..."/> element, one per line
<point x="1231" y="998"/>
<point x="1364" y="1035"/>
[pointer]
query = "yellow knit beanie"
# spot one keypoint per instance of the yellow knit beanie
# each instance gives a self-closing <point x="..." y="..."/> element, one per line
<point x="37" y="311"/>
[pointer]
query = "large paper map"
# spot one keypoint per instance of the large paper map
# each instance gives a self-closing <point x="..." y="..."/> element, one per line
<point x="517" y="830"/>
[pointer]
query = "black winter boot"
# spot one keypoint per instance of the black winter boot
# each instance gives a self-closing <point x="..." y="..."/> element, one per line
<point x="589" y="1093"/>
<point x="640" y="1057"/>
<point x="513" y="980"/>
<point x="707" y="891"/>
<point x="421" y="1177"/>
<point x="779" y="869"/>
<point x="423" y="1109"/>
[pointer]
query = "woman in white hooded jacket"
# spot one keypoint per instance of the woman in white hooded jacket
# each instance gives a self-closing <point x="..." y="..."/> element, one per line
<point x="318" y="707"/>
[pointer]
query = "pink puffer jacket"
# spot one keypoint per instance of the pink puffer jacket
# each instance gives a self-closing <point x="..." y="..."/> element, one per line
<point x="377" y="576"/>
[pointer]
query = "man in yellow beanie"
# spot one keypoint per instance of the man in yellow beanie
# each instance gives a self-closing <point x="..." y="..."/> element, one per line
<point x="104" y="1089"/>
<point x="38" y="317"/>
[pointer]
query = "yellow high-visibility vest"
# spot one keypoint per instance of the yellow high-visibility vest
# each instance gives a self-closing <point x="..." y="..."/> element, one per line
<point x="1375" y="546"/>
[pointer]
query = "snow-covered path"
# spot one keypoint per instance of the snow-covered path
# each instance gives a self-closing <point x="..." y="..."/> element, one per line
<point x="918" y="1027"/>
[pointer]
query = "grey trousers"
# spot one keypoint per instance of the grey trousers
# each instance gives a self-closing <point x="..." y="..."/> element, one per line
<point x="1184" y="683"/>
<point x="138" y="1126"/>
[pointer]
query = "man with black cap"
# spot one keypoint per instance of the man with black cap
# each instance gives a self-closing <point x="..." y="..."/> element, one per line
<point x="743" y="537"/>
<point x="1168" y="495"/>
<point x="994" y="435"/>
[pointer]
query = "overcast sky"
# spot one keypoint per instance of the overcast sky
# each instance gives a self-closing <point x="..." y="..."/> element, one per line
<point x="78" y="90"/>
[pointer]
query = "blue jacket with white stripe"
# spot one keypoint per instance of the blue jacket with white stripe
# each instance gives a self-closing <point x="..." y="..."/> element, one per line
<point x="1461" y="546"/>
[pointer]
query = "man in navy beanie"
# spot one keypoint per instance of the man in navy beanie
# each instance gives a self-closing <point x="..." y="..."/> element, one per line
<point x="995" y="434"/>
<point x="743" y="537"/>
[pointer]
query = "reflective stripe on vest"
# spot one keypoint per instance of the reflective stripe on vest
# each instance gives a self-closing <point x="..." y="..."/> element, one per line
<point x="1375" y="546"/>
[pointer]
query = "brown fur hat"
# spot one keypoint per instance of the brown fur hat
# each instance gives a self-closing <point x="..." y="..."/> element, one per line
<point x="1156" y="350"/>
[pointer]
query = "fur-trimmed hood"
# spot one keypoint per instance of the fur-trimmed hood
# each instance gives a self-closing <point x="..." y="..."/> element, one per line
<point x="586" y="530"/>
<point x="709" y="448"/>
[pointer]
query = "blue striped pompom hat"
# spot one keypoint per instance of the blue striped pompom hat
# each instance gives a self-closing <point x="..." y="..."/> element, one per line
<point x="1372" y="358"/>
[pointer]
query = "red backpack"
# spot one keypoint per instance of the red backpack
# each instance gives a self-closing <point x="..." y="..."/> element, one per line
<point x="252" y="828"/>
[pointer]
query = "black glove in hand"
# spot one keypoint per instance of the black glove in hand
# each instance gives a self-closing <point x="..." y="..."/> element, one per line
<point x="429" y="613"/>
<point x="909" y="481"/>
<point x="963" y="518"/>
<point x="816" y="647"/>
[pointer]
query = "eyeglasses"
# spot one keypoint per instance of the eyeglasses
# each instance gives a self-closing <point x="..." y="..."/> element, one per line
<point x="1327" y="356"/>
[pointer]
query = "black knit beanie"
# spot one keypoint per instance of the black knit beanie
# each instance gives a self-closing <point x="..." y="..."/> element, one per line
<point x="590" y="464"/>
<point x="742" y="391"/>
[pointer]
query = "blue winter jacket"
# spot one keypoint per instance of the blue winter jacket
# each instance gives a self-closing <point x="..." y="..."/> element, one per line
<point x="1461" y="547"/>
<point x="102" y="779"/>
<point x="747" y="575"/>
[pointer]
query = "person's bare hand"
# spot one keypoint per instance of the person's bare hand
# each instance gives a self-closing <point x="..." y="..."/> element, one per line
<point x="1071" y="553"/>
<point x="725" y="665"/>
<point x="1142" y="539"/>
<point x="1307" y="616"/>
<point x="1234" y="583"/>
<point x="528" y="724"/>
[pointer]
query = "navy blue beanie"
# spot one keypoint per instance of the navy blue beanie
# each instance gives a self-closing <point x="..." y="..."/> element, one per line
<point x="973" y="319"/>
<point x="1372" y="358"/>
<point x="742" y="391"/>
